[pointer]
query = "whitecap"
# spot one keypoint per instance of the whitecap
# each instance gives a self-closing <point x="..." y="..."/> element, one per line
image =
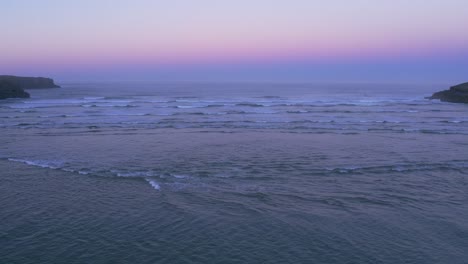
<point x="153" y="183"/>
<point x="179" y="176"/>
<point x="187" y="106"/>
<point x="133" y="173"/>
<point x="39" y="163"/>
<point x="93" y="98"/>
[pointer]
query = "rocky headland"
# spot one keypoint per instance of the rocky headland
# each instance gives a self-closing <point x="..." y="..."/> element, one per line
<point x="30" y="82"/>
<point x="11" y="90"/>
<point x="456" y="94"/>
<point x="13" y="86"/>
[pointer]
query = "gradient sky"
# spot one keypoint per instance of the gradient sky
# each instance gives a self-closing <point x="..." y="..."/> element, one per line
<point x="242" y="40"/>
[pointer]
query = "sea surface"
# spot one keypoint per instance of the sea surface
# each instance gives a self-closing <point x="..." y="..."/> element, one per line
<point x="233" y="173"/>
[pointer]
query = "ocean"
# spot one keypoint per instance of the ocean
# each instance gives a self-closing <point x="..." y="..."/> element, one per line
<point x="137" y="172"/>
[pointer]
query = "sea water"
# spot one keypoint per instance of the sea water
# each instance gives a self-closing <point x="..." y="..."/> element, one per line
<point x="233" y="173"/>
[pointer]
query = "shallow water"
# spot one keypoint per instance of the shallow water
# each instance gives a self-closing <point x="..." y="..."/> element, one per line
<point x="234" y="173"/>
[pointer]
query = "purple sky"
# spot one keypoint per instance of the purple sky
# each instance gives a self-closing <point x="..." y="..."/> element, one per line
<point x="256" y="40"/>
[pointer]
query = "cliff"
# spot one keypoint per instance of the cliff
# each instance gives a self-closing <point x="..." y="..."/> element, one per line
<point x="456" y="94"/>
<point x="29" y="82"/>
<point x="11" y="90"/>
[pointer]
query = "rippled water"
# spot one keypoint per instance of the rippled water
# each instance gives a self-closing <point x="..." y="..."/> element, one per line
<point x="234" y="173"/>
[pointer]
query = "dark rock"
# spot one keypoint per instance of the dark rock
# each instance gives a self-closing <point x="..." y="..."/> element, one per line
<point x="456" y="94"/>
<point x="30" y="82"/>
<point x="11" y="90"/>
<point x="460" y="88"/>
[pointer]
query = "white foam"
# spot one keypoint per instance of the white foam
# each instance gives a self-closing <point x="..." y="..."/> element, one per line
<point x="153" y="183"/>
<point x="23" y="107"/>
<point x="38" y="163"/>
<point x="49" y="165"/>
<point x="55" y="102"/>
<point x="107" y="105"/>
<point x="93" y="98"/>
<point x="188" y="106"/>
<point x="179" y="176"/>
<point x="134" y="173"/>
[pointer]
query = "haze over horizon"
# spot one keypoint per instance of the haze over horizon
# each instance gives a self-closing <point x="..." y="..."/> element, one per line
<point x="207" y="40"/>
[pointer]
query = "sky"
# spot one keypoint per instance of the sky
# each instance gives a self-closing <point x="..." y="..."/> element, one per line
<point x="242" y="40"/>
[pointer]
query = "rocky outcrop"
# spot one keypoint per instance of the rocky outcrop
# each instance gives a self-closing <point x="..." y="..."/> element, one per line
<point x="11" y="90"/>
<point x="456" y="94"/>
<point x="30" y="82"/>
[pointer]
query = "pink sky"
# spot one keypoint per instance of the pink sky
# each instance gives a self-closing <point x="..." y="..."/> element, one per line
<point x="55" y="34"/>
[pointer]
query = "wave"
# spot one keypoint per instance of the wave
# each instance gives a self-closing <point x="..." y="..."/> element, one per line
<point x="153" y="183"/>
<point x="159" y="180"/>
<point x="303" y="126"/>
<point x="188" y="106"/>
<point x="40" y="104"/>
<point x="399" y="168"/>
<point x="288" y="105"/>
<point x="39" y="163"/>
<point x="250" y="104"/>
<point x="441" y="132"/>
<point x="381" y="121"/>
<point x="108" y="105"/>
<point x="50" y="164"/>
<point x="270" y="97"/>
<point x="54" y="101"/>
<point x="93" y="98"/>
<point x="60" y="116"/>
<point x="22" y="106"/>
<point x="454" y="121"/>
<point x="298" y="111"/>
<point x="95" y="115"/>
<point x="457" y="165"/>
<point x="150" y="176"/>
<point x="198" y="106"/>
<point x="185" y="97"/>
<point x="134" y="173"/>
<point x="27" y="125"/>
<point x="190" y="113"/>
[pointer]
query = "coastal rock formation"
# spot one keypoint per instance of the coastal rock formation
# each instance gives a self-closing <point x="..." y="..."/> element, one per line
<point x="11" y="90"/>
<point x="30" y="82"/>
<point x="456" y="94"/>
